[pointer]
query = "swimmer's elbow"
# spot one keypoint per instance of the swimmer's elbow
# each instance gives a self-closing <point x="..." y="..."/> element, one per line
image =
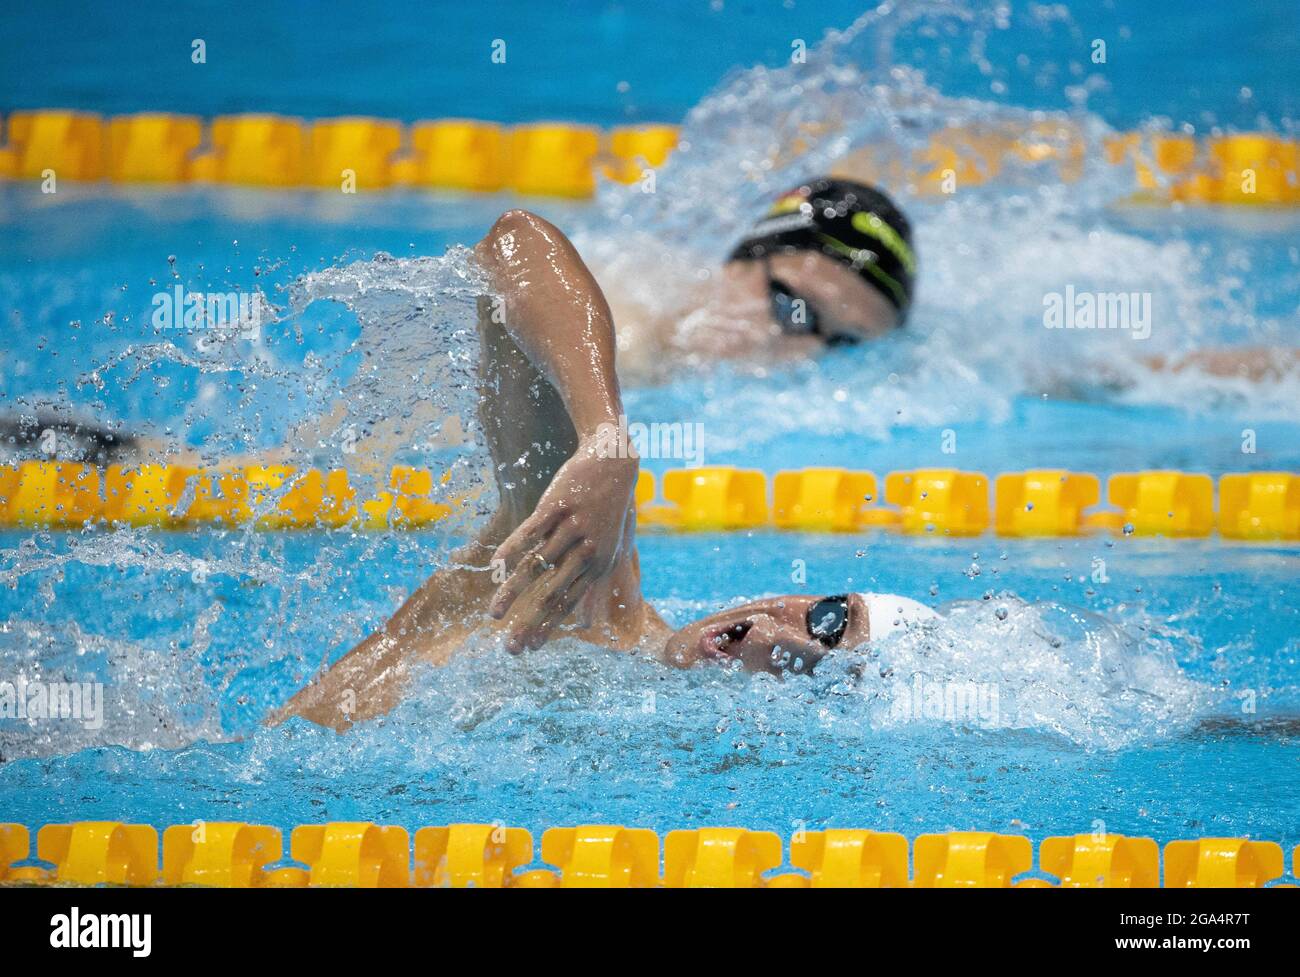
<point x="513" y="230"/>
<point x="514" y="220"/>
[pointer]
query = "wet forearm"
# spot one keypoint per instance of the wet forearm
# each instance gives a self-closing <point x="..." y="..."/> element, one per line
<point x="554" y="310"/>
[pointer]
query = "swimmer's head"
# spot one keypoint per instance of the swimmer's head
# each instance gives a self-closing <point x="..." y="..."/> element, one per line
<point x="779" y="634"/>
<point x="831" y="262"/>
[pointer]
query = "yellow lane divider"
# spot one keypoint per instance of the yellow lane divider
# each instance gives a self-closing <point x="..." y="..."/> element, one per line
<point x="1245" y="168"/>
<point x="363" y="855"/>
<point x="933" y="501"/>
<point x="561" y="159"/>
<point x="352" y="153"/>
<point x="942" y="501"/>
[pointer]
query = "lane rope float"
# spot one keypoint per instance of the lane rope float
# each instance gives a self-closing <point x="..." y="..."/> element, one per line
<point x="365" y="855"/>
<point x="926" y="501"/>
<point x="563" y="159"/>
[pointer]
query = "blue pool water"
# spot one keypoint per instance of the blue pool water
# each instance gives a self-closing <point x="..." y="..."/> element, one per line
<point x="570" y="734"/>
<point x="609" y="62"/>
<point x="1147" y="685"/>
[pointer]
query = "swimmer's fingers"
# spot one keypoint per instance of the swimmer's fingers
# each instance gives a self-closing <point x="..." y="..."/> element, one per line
<point x="529" y="534"/>
<point x="557" y="609"/>
<point x="547" y="603"/>
<point x="550" y="597"/>
<point x="533" y="565"/>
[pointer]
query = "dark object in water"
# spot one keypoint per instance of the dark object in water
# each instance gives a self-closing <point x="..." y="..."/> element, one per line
<point x="1270" y="727"/>
<point x="48" y="435"/>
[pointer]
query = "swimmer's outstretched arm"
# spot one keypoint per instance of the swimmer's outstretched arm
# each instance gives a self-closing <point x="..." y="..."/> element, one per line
<point x="561" y="546"/>
<point x="1253" y="363"/>
<point x="1250" y="364"/>
<point x="370" y="679"/>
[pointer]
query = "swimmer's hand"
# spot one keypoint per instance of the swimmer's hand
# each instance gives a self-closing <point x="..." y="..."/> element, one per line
<point x="581" y="526"/>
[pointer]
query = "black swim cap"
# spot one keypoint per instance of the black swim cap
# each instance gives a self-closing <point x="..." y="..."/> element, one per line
<point x="852" y="223"/>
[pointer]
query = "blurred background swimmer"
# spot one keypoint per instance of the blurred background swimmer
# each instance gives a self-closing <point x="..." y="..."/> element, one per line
<point x="832" y="263"/>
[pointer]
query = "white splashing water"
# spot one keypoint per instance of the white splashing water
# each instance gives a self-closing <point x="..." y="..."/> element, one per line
<point x="415" y="391"/>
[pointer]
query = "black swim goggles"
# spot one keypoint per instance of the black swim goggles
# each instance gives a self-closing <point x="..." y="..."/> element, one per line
<point x="795" y="315"/>
<point x="828" y="619"/>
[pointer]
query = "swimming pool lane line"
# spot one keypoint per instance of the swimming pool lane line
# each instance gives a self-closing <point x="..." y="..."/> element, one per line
<point x="927" y="501"/>
<point x="364" y="855"/>
<point x="564" y="159"/>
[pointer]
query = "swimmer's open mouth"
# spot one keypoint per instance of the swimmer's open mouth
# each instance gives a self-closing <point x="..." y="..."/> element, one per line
<point x="718" y="641"/>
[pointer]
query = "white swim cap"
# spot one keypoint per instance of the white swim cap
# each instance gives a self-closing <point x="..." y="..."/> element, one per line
<point x="889" y="613"/>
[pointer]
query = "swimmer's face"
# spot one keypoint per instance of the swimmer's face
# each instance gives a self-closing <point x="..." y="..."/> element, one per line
<point x="843" y="304"/>
<point x="764" y="636"/>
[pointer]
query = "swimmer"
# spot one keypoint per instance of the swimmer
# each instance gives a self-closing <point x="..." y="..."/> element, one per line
<point x="830" y="263"/>
<point x="559" y="555"/>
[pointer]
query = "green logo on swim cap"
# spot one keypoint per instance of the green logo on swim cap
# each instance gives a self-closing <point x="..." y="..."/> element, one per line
<point x="872" y="226"/>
